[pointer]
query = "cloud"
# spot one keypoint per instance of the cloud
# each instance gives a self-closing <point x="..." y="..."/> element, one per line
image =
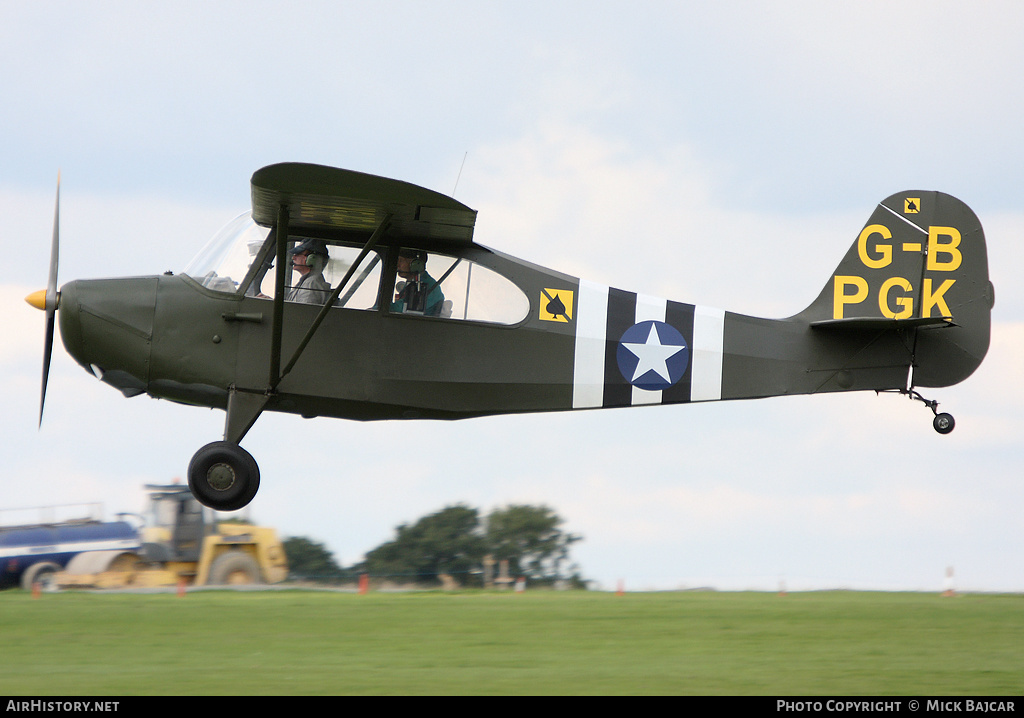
<point x="654" y="220"/>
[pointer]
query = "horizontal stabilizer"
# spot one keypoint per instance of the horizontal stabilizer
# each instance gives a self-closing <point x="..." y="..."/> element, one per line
<point x="856" y="323"/>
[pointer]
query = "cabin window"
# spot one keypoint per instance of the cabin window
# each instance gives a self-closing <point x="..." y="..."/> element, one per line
<point x="227" y="261"/>
<point x="427" y="284"/>
<point x="437" y="285"/>
<point x="316" y="268"/>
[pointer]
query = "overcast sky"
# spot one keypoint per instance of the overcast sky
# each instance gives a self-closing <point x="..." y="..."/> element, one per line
<point x="723" y="153"/>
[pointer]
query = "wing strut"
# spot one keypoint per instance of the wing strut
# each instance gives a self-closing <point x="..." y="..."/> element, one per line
<point x="282" y="275"/>
<point x="370" y="244"/>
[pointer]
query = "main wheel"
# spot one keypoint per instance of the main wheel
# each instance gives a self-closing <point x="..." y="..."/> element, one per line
<point x="943" y="423"/>
<point x="223" y="476"/>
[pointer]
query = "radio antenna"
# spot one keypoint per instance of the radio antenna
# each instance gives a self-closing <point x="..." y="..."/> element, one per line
<point x="457" y="178"/>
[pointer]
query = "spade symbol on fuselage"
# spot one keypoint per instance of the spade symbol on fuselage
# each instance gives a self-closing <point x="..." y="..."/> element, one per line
<point x="555" y="307"/>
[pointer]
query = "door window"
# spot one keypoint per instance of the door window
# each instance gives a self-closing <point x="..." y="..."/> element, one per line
<point x="437" y="285"/>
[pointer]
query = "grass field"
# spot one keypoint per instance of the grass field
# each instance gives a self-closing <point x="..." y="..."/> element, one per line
<point x="305" y="642"/>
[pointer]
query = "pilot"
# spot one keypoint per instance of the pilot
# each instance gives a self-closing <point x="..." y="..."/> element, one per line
<point x="418" y="292"/>
<point x="309" y="259"/>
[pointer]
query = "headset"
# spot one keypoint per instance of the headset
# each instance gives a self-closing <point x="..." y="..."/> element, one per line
<point x="318" y="256"/>
<point x="417" y="260"/>
<point x="315" y="261"/>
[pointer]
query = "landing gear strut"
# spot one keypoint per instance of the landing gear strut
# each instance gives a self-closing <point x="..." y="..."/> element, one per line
<point x="223" y="476"/>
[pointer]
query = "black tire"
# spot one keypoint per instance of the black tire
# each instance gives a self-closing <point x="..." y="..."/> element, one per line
<point x="42" y="572"/>
<point x="223" y="476"/>
<point x="234" y="568"/>
<point x="943" y="423"/>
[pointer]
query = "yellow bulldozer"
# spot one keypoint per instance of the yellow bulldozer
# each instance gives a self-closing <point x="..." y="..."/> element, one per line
<point x="182" y="545"/>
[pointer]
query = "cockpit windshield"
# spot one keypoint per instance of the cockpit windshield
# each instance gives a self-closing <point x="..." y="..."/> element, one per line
<point x="225" y="259"/>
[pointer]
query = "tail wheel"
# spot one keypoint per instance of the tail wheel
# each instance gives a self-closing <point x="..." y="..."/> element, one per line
<point x="234" y="568"/>
<point x="223" y="476"/>
<point x="943" y="423"/>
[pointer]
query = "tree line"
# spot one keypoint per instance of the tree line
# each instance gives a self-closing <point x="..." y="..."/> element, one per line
<point x="457" y="545"/>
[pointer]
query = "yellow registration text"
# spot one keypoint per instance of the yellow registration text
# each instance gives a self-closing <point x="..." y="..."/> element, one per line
<point x="895" y="297"/>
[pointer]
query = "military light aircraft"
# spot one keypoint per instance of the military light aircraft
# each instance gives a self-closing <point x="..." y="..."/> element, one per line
<point x="355" y="296"/>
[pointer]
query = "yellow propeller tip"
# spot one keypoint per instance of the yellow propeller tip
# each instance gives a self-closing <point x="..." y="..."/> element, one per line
<point x="37" y="299"/>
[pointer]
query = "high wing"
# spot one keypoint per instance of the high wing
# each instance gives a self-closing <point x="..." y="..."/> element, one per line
<point x="326" y="197"/>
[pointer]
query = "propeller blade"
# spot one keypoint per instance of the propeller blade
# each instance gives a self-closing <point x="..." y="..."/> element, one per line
<point x="51" y="285"/>
<point x="47" y="351"/>
<point x="51" y="301"/>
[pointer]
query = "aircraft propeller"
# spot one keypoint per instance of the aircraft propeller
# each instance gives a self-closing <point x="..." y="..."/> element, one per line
<point x="48" y="299"/>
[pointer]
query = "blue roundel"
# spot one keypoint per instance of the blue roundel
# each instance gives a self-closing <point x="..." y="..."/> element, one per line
<point x="652" y="355"/>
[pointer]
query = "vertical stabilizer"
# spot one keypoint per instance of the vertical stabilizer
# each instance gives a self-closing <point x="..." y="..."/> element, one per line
<point x="919" y="265"/>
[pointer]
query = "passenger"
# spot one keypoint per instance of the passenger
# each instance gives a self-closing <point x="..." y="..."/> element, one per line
<point x="418" y="292"/>
<point x="309" y="259"/>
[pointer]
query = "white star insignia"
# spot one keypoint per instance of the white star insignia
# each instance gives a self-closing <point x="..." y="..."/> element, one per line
<point x="653" y="356"/>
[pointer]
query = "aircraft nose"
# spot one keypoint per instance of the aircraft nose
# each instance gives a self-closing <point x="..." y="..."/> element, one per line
<point x="107" y="326"/>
